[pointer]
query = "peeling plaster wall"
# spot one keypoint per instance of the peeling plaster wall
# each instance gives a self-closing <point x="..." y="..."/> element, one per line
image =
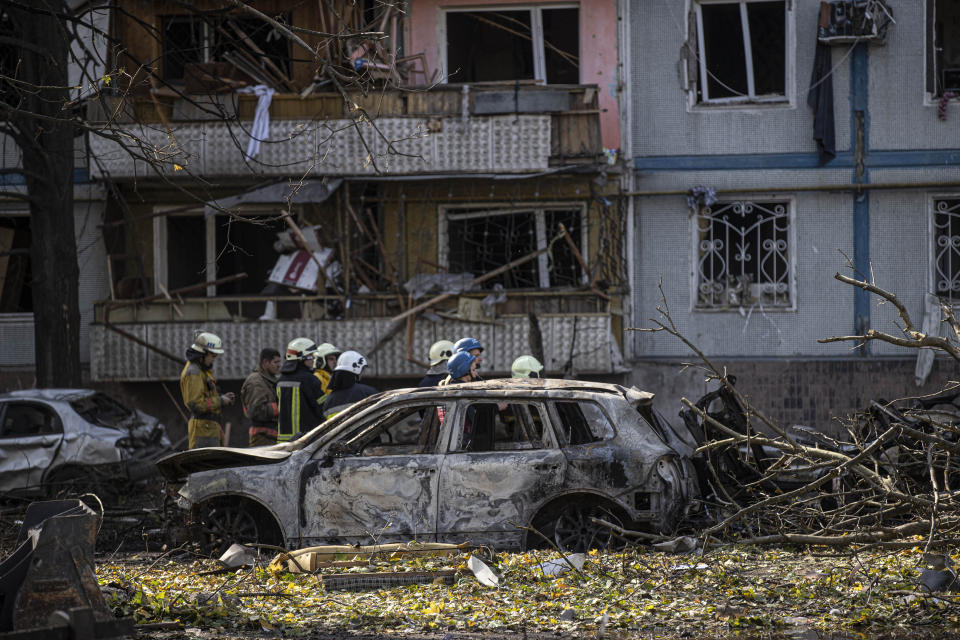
<point x="598" y="48"/>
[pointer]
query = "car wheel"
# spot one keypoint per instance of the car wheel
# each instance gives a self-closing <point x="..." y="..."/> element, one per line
<point x="575" y="532"/>
<point x="224" y="523"/>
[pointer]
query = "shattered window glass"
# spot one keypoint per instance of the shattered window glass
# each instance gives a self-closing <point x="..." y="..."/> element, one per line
<point x="102" y="410"/>
<point x="22" y="420"/>
<point x="481" y="240"/>
<point x="582" y="423"/>
<point x="517" y="44"/>
<point x="742" y="52"/>
<point x="406" y="430"/>
<point x="946" y="248"/>
<point x="491" y="426"/>
<point x="744" y="255"/>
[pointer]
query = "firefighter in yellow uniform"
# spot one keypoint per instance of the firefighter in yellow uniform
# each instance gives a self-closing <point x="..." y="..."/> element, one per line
<point x="199" y="390"/>
<point x="325" y="362"/>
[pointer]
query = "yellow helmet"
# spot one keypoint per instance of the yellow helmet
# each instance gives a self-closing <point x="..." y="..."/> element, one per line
<point x="439" y="351"/>
<point x="206" y="342"/>
<point x="526" y="367"/>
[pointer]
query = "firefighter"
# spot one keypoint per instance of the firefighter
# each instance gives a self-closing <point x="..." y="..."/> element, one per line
<point x="259" y="397"/>
<point x="526" y="367"/>
<point x="345" y="386"/>
<point x="462" y="367"/>
<point x="326" y="361"/>
<point x="299" y="392"/>
<point x="199" y="391"/>
<point x="440" y="352"/>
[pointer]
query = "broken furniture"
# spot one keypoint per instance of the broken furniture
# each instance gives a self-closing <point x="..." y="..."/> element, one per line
<point x="48" y="587"/>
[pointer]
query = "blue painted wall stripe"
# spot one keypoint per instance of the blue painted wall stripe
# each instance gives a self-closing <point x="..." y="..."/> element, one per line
<point x="80" y="176"/>
<point x="844" y="160"/>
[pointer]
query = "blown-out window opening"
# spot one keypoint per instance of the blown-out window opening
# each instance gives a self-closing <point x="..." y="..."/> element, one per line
<point x="16" y="275"/>
<point x="743" y="255"/>
<point x="741" y="51"/>
<point x="481" y="239"/>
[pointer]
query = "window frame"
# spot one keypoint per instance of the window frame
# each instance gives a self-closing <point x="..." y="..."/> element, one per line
<point x="161" y="274"/>
<point x="930" y="98"/>
<point x="791" y="202"/>
<point x="550" y="440"/>
<point x="739" y="102"/>
<point x="555" y="421"/>
<point x="536" y="32"/>
<point x="354" y="431"/>
<point x="932" y="199"/>
<point x="17" y="316"/>
<point x="539" y="211"/>
<point x="5" y="406"/>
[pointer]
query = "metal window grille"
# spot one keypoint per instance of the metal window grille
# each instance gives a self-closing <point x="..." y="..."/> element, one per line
<point x="946" y="248"/>
<point x="744" y="255"/>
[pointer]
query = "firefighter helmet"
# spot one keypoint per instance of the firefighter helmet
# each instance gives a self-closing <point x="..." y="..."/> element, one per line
<point x="327" y="349"/>
<point x="526" y="367"/>
<point x="459" y="364"/>
<point x="301" y="349"/>
<point x="439" y="351"/>
<point x="205" y="342"/>
<point x="351" y="361"/>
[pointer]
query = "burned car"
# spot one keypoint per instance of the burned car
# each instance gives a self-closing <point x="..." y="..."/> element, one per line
<point x="505" y="463"/>
<point x="56" y="441"/>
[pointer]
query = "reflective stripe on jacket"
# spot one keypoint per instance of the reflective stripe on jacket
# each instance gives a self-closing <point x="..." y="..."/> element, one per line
<point x="299" y="395"/>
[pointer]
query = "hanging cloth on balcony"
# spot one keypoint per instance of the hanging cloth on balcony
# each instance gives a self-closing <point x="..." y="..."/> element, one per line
<point x="261" y="118"/>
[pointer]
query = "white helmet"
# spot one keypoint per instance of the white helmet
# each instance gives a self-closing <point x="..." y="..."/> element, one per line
<point x="439" y="351"/>
<point x="327" y="349"/>
<point x="351" y="361"/>
<point x="205" y="342"/>
<point x="301" y="349"/>
<point x="525" y="365"/>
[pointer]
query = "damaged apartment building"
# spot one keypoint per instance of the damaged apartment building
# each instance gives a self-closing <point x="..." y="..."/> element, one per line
<point x="770" y="141"/>
<point x="343" y="187"/>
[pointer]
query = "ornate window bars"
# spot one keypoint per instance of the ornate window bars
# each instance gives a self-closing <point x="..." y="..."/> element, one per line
<point x="946" y="248"/>
<point x="744" y="255"/>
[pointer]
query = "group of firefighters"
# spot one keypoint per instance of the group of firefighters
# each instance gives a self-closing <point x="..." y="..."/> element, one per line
<point x="307" y="385"/>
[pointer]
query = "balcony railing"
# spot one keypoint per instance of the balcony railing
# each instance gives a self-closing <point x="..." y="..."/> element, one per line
<point x="451" y="129"/>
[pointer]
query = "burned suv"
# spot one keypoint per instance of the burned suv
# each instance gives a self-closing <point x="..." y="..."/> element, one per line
<point x="502" y="463"/>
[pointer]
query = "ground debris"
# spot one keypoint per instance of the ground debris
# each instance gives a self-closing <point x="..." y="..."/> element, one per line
<point x="628" y="592"/>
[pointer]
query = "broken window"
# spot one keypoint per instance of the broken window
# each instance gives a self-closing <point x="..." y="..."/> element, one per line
<point x="24" y="420"/>
<point x="943" y="47"/>
<point x="743" y="255"/>
<point x="101" y="410"/>
<point x="16" y="279"/>
<point x="742" y="50"/>
<point x="517" y="44"/>
<point x="582" y="423"/>
<point x="405" y="431"/>
<point x="481" y="240"/>
<point x="193" y="248"/>
<point x="189" y="39"/>
<point x="488" y="427"/>
<point x="946" y="248"/>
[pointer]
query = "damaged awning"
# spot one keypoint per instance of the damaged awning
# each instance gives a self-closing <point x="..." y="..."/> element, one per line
<point x="310" y="191"/>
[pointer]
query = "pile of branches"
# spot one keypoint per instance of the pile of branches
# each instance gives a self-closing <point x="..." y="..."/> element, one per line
<point x="886" y="481"/>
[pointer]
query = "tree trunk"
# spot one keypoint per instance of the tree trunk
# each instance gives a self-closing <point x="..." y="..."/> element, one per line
<point x="47" y="146"/>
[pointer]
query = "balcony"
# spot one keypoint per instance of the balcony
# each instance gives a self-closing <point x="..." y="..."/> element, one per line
<point x="576" y="331"/>
<point x="451" y="129"/>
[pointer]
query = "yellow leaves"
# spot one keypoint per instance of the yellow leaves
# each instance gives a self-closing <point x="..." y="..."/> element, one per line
<point x="106" y="79"/>
<point x="177" y="167"/>
<point x="748" y="593"/>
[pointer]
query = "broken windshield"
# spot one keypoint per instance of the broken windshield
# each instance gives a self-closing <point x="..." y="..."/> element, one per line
<point x="100" y="409"/>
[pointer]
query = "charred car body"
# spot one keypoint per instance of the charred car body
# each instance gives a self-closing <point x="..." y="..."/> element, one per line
<point x="487" y="462"/>
<point x="54" y="440"/>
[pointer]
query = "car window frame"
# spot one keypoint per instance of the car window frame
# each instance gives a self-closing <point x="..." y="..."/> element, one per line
<point x="30" y="403"/>
<point x="550" y="440"/>
<point x="374" y="415"/>
<point x="555" y="416"/>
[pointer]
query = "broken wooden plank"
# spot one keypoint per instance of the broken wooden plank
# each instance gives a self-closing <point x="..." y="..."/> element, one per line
<point x="385" y="580"/>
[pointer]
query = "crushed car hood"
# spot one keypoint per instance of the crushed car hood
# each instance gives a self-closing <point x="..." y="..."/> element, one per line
<point x="178" y="465"/>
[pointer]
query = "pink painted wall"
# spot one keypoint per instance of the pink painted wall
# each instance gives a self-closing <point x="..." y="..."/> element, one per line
<point x="598" y="48"/>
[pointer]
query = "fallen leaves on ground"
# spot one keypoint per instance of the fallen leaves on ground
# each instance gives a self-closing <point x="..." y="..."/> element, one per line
<point x="632" y="590"/>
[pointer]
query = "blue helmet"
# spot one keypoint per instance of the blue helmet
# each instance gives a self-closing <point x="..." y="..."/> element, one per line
<point x="459" y="364"/>
<point x="466" y="344"/>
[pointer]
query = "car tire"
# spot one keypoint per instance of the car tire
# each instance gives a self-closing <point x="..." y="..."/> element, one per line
<point x="573" y="531"/>
<point x="228" y="521"/>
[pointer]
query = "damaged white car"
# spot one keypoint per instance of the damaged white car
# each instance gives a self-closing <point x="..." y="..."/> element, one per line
<point x="56" y="441"/>
<point x="504" y="463"/>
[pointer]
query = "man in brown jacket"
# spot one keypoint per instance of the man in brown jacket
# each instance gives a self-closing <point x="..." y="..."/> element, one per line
<point x="259" y="397"/>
